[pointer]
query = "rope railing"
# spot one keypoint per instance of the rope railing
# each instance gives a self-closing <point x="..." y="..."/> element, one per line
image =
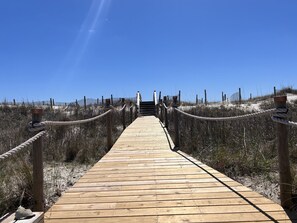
<point x="21" y="146"/>
<point x="131" y="106"/>
<point x="123" y="111"/>
<point x="284" y="121"/>
<point x="76" y="122"/>
<point x="278" y="115"/>
<point x="36" y="125"/>
<point x="269" y="111"/>
<point x="123" y="108"/>
<point x="42" y="125"/>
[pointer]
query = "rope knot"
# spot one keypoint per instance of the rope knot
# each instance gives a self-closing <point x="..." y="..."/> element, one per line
<point x="281" y="113"/>
<point x="280" y="116"/>
<point x="36" y="127"/>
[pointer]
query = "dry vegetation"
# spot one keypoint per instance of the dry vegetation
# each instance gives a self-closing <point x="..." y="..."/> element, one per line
<point x="245" y="150"/>
<point x="68" y="152"/>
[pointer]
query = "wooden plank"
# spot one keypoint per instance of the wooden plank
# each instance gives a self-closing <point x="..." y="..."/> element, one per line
<point x="159" y="179"/>
<point x="143" y="219"/>
<point x="157" y="191"/>
<point x="81" y="198"/>
<point x="149" y="204"/>
<point x="228" y="217"/>
<point x="152" y="186"/>
<point x="145" y="181"/>
<point x="187" y="174"/>
<point x="153" y="211"/>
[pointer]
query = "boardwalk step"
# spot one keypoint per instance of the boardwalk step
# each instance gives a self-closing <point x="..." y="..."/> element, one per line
<point x="147" y="108"/>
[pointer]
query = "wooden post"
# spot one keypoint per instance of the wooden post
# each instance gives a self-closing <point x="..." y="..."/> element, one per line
<point x="136" y="112"/>
<point x="165" y="111"/>
<point x="131" y="112"/>
<point x="179" y="94"/>
<point x="37" y="165"/>
<point x="123" y="113"/>
<point x="205" y="97"/>
<point x="108" y="125"/>
<point x="175" y="117"/>
<point x="274" y="91"/>
<point x="239" y="95"/>
<point x="162" y="110"/>
<point x="283" y="158"/>
<point x="85" y="103"/>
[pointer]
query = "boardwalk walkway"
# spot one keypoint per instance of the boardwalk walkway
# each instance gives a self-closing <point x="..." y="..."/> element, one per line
<point x="142" y="180"/>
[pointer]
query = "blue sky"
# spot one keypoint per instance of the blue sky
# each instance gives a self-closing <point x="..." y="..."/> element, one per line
<point x="66" y="49"/>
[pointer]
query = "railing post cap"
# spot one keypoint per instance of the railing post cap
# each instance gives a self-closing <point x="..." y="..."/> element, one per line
<point x="280" y="99"/>
<point x="37" y="111"/>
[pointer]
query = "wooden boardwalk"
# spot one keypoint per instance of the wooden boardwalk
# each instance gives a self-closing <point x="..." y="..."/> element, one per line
<point x="142" y="180"/>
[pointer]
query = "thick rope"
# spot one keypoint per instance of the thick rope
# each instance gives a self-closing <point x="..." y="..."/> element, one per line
<point x="283" y="121"/>
<point x="77" y="122"/>
<point x="131" y="107"/>
<point x="21" y="146"/>
<point x="167" y="107"/>
<point x="122" y="108"/>
<point x="269" y="111"/>
<point x="280" y="116"/>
